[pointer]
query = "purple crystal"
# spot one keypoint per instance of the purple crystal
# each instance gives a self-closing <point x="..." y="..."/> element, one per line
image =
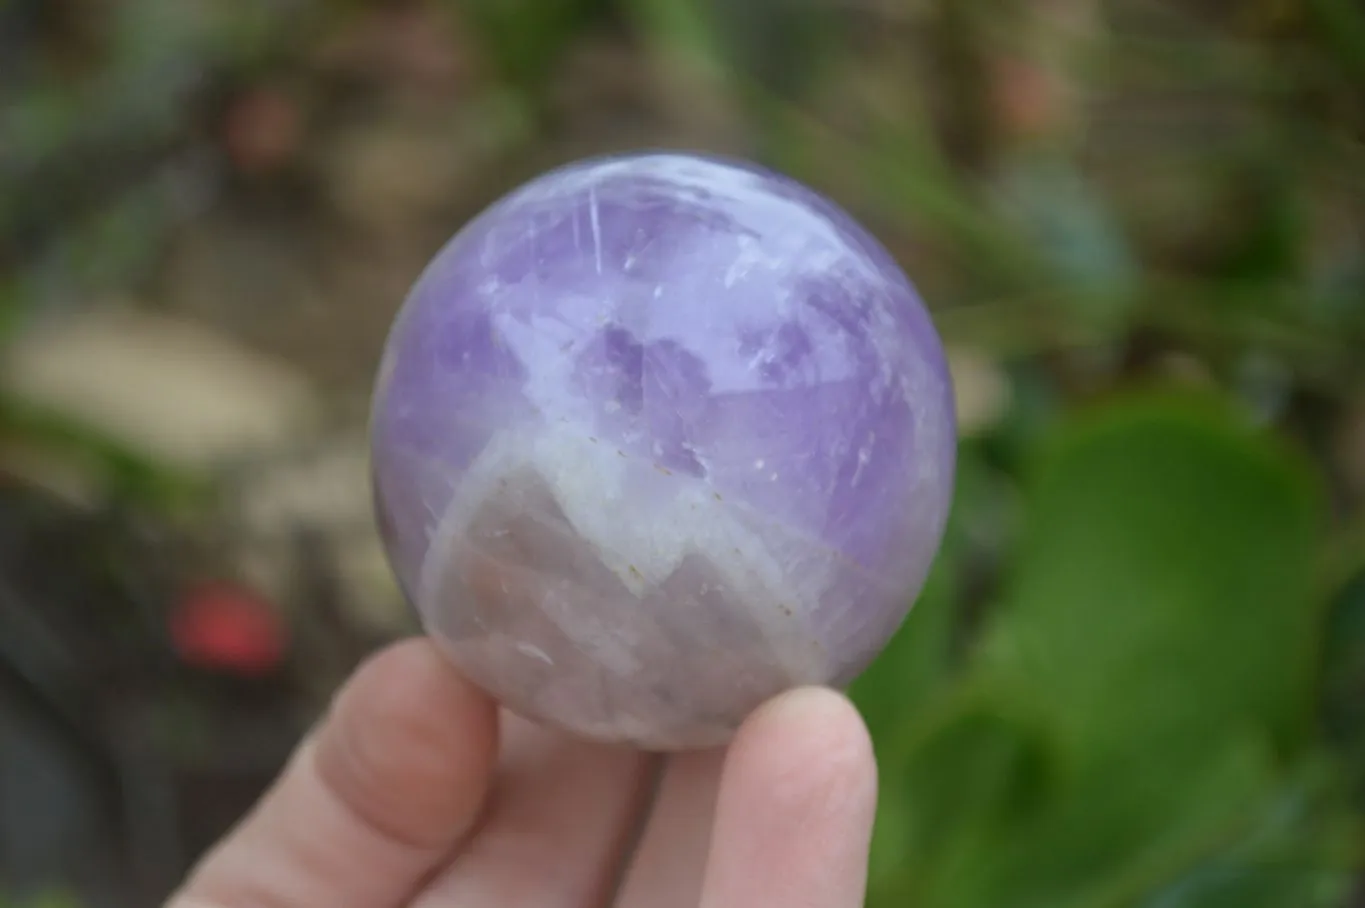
<point x="657" y="437"/>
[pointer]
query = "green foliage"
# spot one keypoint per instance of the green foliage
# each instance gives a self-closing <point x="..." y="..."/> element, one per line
<point x="1166" y="567"/>
<point x="1343" y="680"/>
<point x="1342" y="24"/>
<point x="56" y="898"/>
<point x="1137" y="710"/>
<point x="525" y="39"/>
<point x="123" y="474"/>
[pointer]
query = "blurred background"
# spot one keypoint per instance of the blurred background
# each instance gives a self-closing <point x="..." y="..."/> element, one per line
<point x="1137" y="676"/>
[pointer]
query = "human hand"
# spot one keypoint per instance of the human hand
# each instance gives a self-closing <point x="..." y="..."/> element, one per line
<point x="417" y="792"/>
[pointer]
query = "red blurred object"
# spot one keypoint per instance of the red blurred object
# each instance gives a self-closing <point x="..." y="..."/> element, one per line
<point x="224" y="628"/>
<point x="263" y="130"/>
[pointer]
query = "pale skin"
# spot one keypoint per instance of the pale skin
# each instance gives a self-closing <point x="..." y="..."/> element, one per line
<point x="416" y="791"/>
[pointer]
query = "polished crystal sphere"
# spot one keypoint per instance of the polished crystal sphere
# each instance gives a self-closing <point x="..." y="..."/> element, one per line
<point x="657" y="437"/>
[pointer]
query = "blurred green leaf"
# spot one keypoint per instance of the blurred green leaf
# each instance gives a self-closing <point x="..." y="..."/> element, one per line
<point x="1148" y="674"/>
<point x="1104" y="837"/>
<point x="1254" y="884"/>
<point x="1162" y="609"/>
<point x="1298" y="851"/>
<point x="953" y="785"/>
<point x="1163" y="591"/>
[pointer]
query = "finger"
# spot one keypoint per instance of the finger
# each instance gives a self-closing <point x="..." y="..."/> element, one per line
<point x="795" y="809"/>
<point x="667" y="867"/>
<point x="371" y="803"/>
<point x="557" y="820"/>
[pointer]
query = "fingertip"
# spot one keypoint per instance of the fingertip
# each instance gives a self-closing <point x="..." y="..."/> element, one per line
<point x="815" y="740"/>
<point x="797" y="801"/>
<point x="802" y="708"/>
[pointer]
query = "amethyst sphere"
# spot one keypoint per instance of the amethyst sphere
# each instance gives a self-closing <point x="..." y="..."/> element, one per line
<point x="656" y="437"/>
